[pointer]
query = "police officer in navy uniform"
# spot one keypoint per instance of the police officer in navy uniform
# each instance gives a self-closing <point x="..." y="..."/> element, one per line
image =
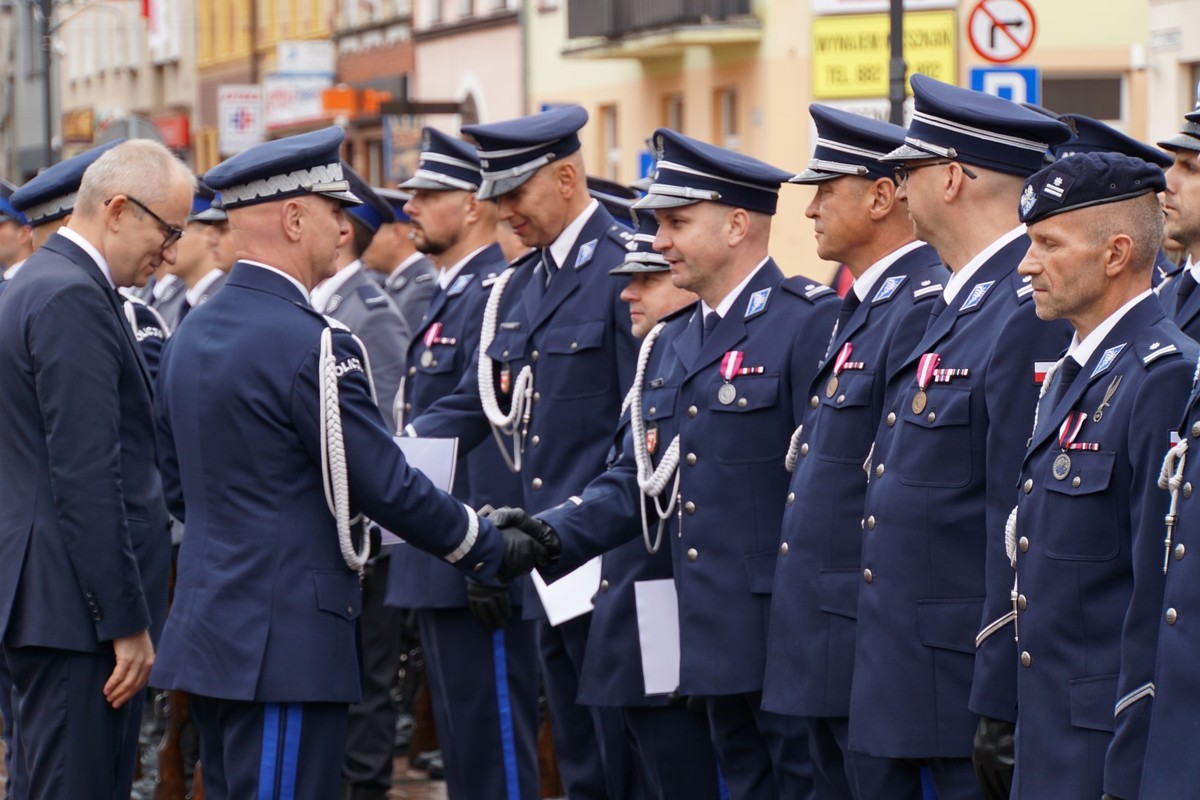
<point x="675" y="757"/>
<point x="557" y="360"/>
<point x="956" y="413"/>
<point x="352" y="298"/>
<point x="731" y="377"/>
<point x="196" y="265"/>
<point x="480" y="656"/>
<point x="1087" y="530"/>
<point x="84" y="541"/>
<point x="859" y="222"/>
<point x="1181" y="203"/>
<point x="405" y="273"/>
<point x="270" y="453"/>
<point x="16" y="236"/>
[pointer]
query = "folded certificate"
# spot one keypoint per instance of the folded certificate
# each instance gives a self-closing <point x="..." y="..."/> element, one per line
<point x="436" y="458"/>
<point x="658" y="633"/>
<point x="571" y="595"/>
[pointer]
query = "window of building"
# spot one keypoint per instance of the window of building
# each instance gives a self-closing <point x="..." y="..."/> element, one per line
<point x="466" y="8"/>
<point x="672" y="111"/>
<point x="1192" y="89"/>
<point x="1099" y="97"/>
<point x="728" y="127"/>
<point x="611" y="155"/>
<point x="434" y="13"/>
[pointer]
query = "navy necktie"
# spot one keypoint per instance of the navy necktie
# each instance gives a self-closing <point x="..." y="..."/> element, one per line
<point x="1065" y="376"/>
<point x="711" y="320"/>
<point x="184" y="308"/>
<point x="548" y="265"/>
<point x="1187" y="285"/>
<point x="850" y="304"/>
<point x="939" y="306"/>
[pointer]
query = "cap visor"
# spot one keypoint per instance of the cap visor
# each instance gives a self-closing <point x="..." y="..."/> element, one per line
<point x="427" y="183"/>
<point x="491" y="188"/>
<point x="906" y="152"/>
<point x="345" y="198"/>
<point x="663" y="201"/>
<point x="1180" y="141"/>
<point x="815" y="176"/>
<point x="636" y="267"/>
<point x="642" y="184"/>
<point x="209" y="216"/>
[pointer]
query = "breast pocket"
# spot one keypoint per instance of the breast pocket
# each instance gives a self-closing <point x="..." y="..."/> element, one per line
<point x="508" y="346"/>
<point x="843" y="429"/>
<point x="578" y="365"/>
<point x="941" y="426"/>
<point x="749" y="423"/>
<point x="442" y="359"/>
<point x="1082" y="496"/>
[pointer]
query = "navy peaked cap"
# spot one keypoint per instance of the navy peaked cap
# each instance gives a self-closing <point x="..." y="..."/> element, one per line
<point x="616" y="197"/>
<point x="1093" y="136"/>
<point x="976" y="128"/>
<point x="690" y="171"/>
<point x="211" y="215"/>
<point x="849" y="144"/>
<point x="307" y="163"/>
<point x="7" y="212"/>
<point x="51" y="194"/>
<point x="396" y="199"/>
<point x="1188" y="138"/>
<point x="640" y="255"/>
<point x="1087" y="179"/>
<point x="374" y="211"/>
<point x="511" y="151"/>
<point x="201" y="201"/>
<point x="446" y="163"/>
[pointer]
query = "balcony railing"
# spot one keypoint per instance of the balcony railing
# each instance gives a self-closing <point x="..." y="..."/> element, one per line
<point x="613" y="19"/>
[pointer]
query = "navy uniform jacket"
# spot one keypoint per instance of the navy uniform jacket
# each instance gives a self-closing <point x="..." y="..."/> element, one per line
<point x="363" y="308"/>
<point x="411" y="289"/>
<point x="733" y="476"/>
<point x="1171" y="768"/>
<point x="810" y="640"/>
<point x="84" y="538"/>
<point x="1089" y="564"/>
<point x="575" y="335"/>
<point x="1186" y="317"/>
<point x="940" y="491"/>
<point x="416" y="579"/>
<point x="265" y="608"/>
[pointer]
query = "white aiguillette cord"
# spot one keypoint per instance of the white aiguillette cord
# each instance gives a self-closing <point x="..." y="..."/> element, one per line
<point x="1171" y="478"/>
<point x="334" y="474"/>
<point x="522" y="389"/>
<point x="651" y="480"/>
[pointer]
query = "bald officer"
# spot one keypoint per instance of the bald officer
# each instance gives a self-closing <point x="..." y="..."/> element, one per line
<point x="270" y="455"/>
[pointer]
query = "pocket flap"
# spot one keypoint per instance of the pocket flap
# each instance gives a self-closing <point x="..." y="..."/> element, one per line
<point x="567" y="339"/>
<point x="508" y="345"/>
<point x="1093" y="701"/>
<point x="753" y="392"/>
<point x="950" y="624"/>
<point x="1090" y="472"/>
<point x="944" y="406"/>
<point x="659" y="402"/>
<point x="760" y="571"/>
<point x="838" y="591"/>
<point x="338" y="593"/>
<point x="853" y="389"/>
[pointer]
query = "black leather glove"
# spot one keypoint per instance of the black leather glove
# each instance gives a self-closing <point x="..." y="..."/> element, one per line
<point x="521" y="554"/>
<point x="491" y="605"/>
<point x="993" y="756"/>
<point x="542" y="533"/>
<point x="1107" y="796"/>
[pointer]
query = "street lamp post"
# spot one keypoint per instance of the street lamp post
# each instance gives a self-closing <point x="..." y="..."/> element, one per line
<point x="896" y="67"/>
<point x="45" y="10"/>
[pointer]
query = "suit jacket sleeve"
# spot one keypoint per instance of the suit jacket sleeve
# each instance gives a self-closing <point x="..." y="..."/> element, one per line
<point x="77" y="351"/>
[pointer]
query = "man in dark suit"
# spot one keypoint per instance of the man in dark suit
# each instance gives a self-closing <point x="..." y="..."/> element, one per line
<point x="84" y="542"/>
<point x="271" y="449"/>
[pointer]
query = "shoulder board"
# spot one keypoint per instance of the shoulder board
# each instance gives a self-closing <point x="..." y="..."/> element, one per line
<point x="530" y="257"/>
<point x="1153" y="351"/>
<point x="927" y="289"/>
<point x="426" y="278"/>
<point x="620" y="234"/>
<point x="372" y="296"/>
<point x="337" y="325"/>
<point x="488" y="280"/>
<point x="1024" y="286"/>
<point x="808" y="289"/>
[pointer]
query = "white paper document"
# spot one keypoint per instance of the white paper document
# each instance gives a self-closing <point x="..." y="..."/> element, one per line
<point x="436" y="458"/>
<point x="658" y="633"/>
<point x="571" y="595"/>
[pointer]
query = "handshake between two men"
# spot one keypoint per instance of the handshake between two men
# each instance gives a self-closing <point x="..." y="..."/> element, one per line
<point x="528" y="542"/>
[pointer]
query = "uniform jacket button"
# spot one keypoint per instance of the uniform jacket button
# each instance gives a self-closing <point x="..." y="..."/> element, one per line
<point x="693" y="411"/>
<point x="1187" y="489"/>
<point x="689" y="507"/>
<point x="1023" y="544"/>
<point x="891" y="419"/>
<point x="1196" y="429"/>
<point x="804" y="449"/>
<point x="1027" y="486"/>
<point x="871" y="523"/>
<point x="536" y="483"/>
<point x="815" y="401"/>
<point x="791" y="498"/>
<point x="1179" y="551"/>
<point x="533" y="356"/>
<point x="783" y="548"/>
<point x="691" y="459"/>
<point x="1172" y="616"/>
<point x="879" y="471"/>
<point x="868" y="576"/>
<point x="692" y="554"/>
<point x="535" y="440"/>
<point x="1026" y="659"/>
<point x="1022" y="603"/>
<point x="604" y="585"/>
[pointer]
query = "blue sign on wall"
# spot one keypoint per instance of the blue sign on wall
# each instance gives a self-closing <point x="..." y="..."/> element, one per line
<point x="1019" y="84"/>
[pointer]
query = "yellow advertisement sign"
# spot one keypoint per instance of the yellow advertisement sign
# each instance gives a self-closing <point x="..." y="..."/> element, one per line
<point x="850" y="53"/>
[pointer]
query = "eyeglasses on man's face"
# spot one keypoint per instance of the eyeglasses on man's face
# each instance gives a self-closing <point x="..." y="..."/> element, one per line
<point x="902" y="171"/>
<point x="171" y="234"/>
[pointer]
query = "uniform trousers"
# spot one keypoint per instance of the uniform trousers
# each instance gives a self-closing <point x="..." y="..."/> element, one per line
<point x="762" y="755"/>
<point x="72" y="743"/>
<point x="594" y="757"/>
<point x="484" y="688"/>
<point x="270" y="751"/>
<point x="675" y="757"/>
<point x="841" y="773"/>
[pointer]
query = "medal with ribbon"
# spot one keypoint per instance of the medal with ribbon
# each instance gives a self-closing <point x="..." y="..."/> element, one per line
<point x="434" y="336"/>
<point x="839" y="363"/>
<point x="925" y="369"/>
<point x="731" y="364"/>
<point x="1066" y="441"/>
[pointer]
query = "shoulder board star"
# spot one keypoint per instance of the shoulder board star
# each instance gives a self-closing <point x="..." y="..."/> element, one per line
<point x="1157" y="351"/>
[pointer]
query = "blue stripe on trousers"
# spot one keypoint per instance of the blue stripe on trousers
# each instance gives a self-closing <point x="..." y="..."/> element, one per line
<point x="508" y="743"/>
<point x="270" y="752"/>
<point x="291" y="751"/>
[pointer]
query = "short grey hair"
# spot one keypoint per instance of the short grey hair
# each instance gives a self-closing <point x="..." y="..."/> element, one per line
<point x="140" y="167"/>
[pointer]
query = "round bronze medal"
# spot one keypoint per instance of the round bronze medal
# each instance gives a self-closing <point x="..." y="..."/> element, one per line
<point x="1062" y="467"/>
<point x="919" y="401"/>
<point x="726" y="394"/>
<point x="831" y="387"/>
<point x="427" y="358"/>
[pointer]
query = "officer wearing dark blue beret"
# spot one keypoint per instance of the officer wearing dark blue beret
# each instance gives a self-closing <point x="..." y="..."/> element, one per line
<point x="1181" y="204"/>
<point x="720" y="388"/>
<point x="1086" y="534"/>
<point x="556" y="362"/>
<point x="403" y="272"/>
<point x="956" y="412"/>
<point x="480" y="656"/>
<point x="859" y="222"/>
<point x="84" y="536"/>
<point x="271" y="453"/>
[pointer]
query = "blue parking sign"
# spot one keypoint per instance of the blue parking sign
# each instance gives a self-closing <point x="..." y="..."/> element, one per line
<point x="1019" y="84"/>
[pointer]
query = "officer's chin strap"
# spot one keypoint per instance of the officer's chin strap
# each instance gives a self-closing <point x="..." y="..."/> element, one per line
<point x="1171" y="478"/>
<point x="334" y="474"/>
<point x="651" y="480"/>
<point x="1010" y="532"/>
<point x="522" y="388"/>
